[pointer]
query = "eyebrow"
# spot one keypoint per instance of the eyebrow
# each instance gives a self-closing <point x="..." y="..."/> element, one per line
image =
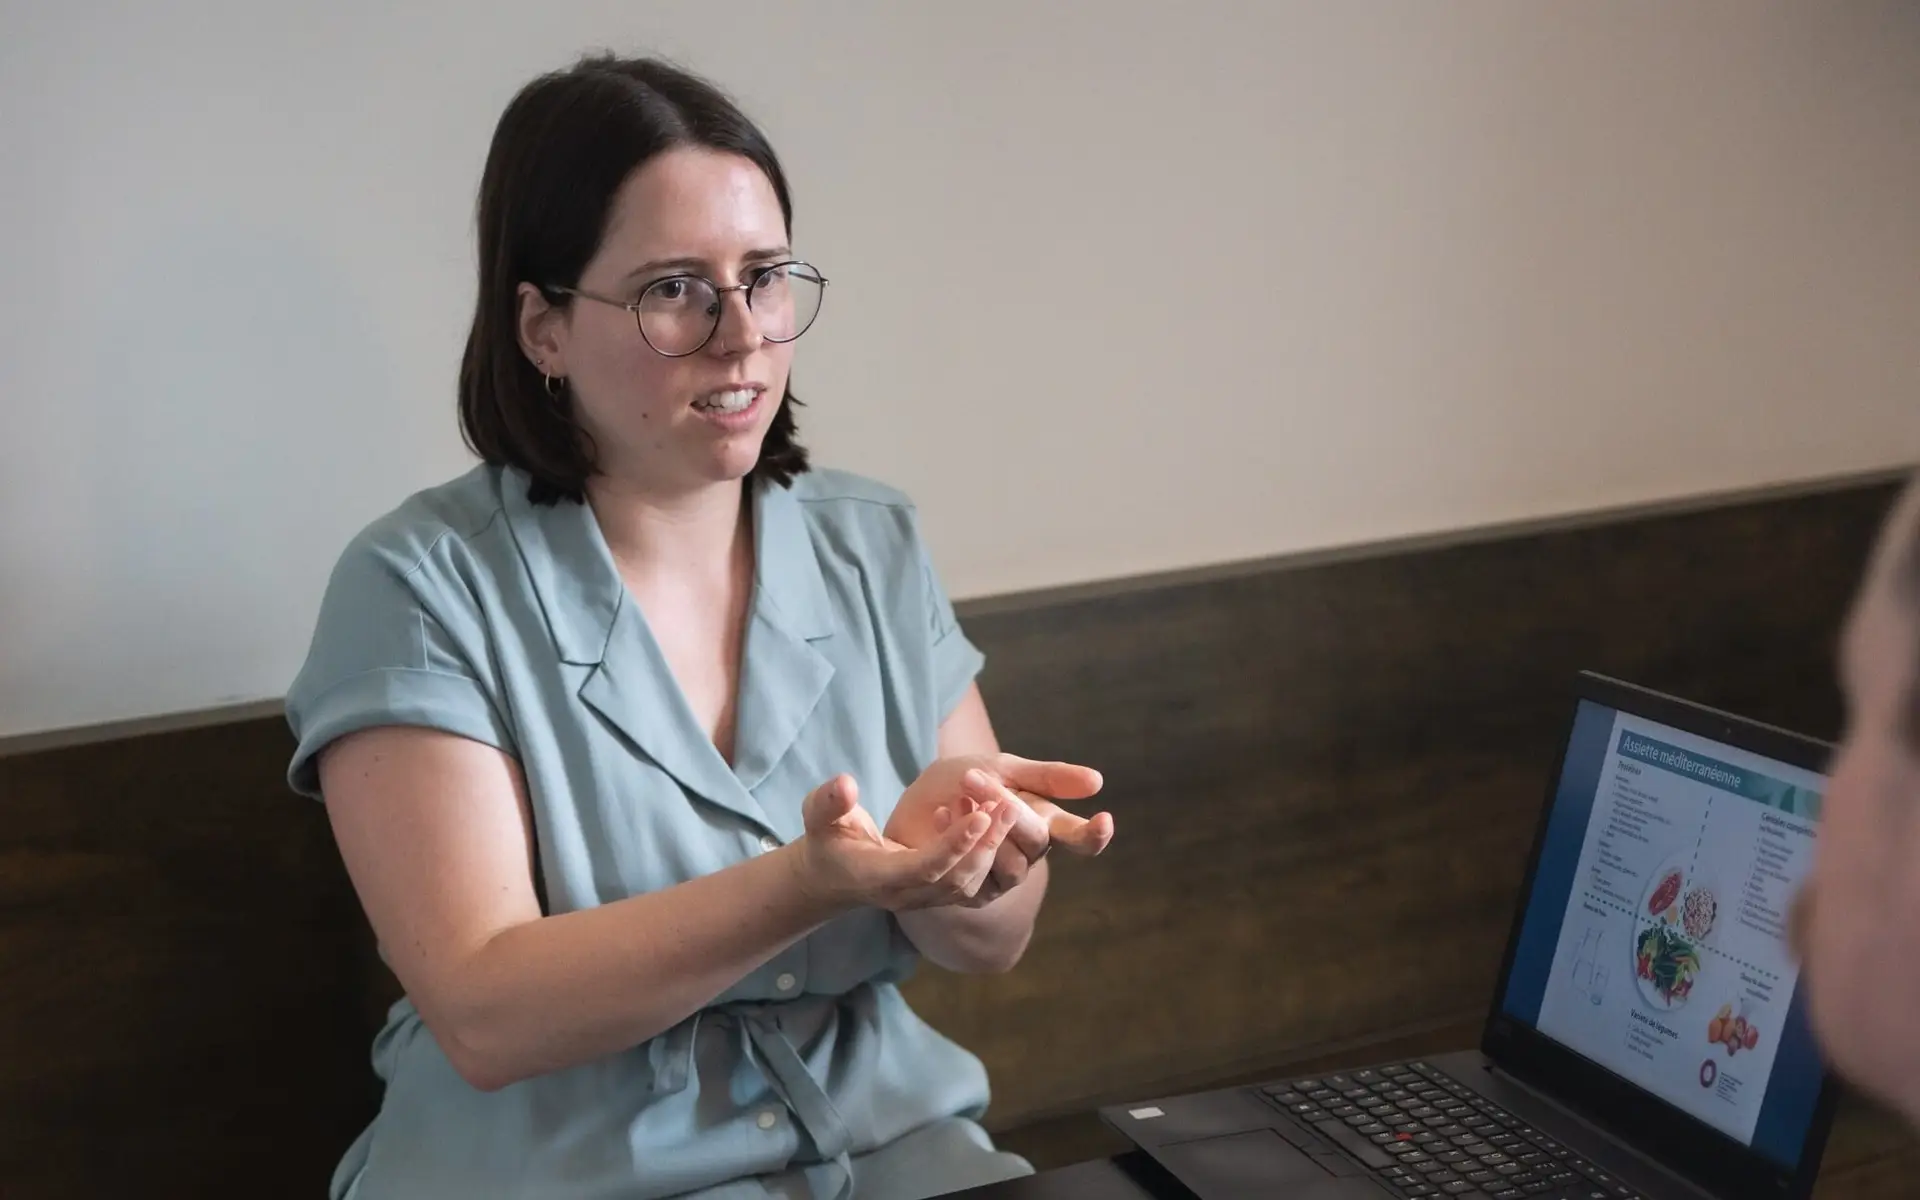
<point x="700" y="264"/>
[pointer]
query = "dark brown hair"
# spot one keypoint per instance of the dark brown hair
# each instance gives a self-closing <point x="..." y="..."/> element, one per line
<point x="563" y="148"/>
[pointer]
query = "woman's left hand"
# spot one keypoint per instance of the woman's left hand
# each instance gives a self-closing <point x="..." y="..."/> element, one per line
<point x="1038" y="826"/>
<point x="1029" y="841"/>
<point x="925" y="812"/>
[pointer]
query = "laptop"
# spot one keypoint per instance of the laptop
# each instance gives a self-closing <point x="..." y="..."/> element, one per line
<point x="1648" y="1035"/>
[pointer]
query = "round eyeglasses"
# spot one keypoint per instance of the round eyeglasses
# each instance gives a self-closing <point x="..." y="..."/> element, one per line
<point x="678" y="314"/>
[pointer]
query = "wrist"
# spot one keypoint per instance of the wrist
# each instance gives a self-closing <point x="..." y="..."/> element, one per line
<point x="934" y="933"/>
<point x="968" y="941"/>
<point x="820" y="898"/>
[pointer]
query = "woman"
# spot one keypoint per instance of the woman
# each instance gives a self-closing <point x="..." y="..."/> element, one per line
<point x="656" y="758"/>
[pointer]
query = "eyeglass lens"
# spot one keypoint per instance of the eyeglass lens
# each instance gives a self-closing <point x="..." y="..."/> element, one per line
<point x="679" y="313"/>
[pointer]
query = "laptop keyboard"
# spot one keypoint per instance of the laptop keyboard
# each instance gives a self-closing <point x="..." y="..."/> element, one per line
<point x="1425" y="1135"/>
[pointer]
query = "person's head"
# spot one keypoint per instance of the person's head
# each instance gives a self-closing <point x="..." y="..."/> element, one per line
<point x="1880" y="663"/>
<point x="629" y="182"/>
<point x="1856" y="922"/>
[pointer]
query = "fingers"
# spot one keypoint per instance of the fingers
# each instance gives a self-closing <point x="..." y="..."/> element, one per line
<point x="990" y="891"/>
<point x="829" y="802"/>
<point x="1084" y="836"/>
<point x="957" y="867"/>
<point x="943" y="816"/>
<point x="938" y="860"/>
<point x="1088" y="836"/>
<point x="1081" y="835"/>
<point x="1028" y="829"/>
<point x="971" y="872"/>
<point x="1063" y="781"/>
<point x="1010" y="869"/>
<point x="986" y="839"/>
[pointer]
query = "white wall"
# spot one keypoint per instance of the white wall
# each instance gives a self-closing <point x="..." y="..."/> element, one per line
<point x="1117" y="286"/>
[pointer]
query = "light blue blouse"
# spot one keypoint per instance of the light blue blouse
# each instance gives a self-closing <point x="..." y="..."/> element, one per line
<point x="471" y="610"/>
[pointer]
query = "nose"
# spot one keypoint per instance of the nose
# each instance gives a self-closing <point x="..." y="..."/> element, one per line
<point x="739" y="331"/>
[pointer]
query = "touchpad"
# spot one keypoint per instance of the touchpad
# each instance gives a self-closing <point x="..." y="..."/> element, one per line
<point x="1257" y="1163"/>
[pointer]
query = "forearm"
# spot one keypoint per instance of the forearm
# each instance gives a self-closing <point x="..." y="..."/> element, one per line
<point x="985" y="940"/>
<point x="565" y="990"/>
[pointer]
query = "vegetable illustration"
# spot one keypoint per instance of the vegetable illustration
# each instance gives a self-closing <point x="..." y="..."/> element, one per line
<point x="1736" y="1033"/>
<point x="1664" y="895"/>
<point x="1665" y="958"/>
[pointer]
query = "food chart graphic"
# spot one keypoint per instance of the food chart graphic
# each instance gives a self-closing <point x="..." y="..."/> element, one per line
<point x="1672" y="968"/>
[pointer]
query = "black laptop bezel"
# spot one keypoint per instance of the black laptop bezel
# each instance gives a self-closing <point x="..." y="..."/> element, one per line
<point x="1701" y="1153"/>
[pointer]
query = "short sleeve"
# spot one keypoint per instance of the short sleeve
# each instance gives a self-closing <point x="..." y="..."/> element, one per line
<point x="381" y="656"/>
<point x="956" y="660"/>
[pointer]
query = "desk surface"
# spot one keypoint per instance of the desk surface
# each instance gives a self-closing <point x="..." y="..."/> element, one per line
<point x="1123" y="1177"/>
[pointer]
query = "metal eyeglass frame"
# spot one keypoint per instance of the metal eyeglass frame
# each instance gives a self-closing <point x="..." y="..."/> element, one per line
<point x="719" y="299"/>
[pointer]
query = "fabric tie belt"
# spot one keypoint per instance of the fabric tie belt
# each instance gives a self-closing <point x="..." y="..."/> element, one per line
<point x="671" y="1057"/>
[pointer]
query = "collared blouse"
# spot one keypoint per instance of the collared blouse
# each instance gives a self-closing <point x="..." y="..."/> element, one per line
<point x="471" y="610"/>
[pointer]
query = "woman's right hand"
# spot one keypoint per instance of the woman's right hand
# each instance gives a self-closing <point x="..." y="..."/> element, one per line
<point x="844" y="859"/>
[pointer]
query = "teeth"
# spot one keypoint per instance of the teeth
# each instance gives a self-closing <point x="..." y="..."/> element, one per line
<point x="726" y="402"/>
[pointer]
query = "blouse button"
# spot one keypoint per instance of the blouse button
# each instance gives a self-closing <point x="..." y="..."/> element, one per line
<point x="785" y="982"/>
<point x="766" y="1119"/>
<point x="769" y="844"/>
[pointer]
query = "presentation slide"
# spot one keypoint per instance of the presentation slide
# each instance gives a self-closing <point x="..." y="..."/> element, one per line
<point x="1672" y="968"/>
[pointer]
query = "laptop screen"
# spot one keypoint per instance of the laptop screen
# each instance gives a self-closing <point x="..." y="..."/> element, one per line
<point x="1653" y="943"/>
